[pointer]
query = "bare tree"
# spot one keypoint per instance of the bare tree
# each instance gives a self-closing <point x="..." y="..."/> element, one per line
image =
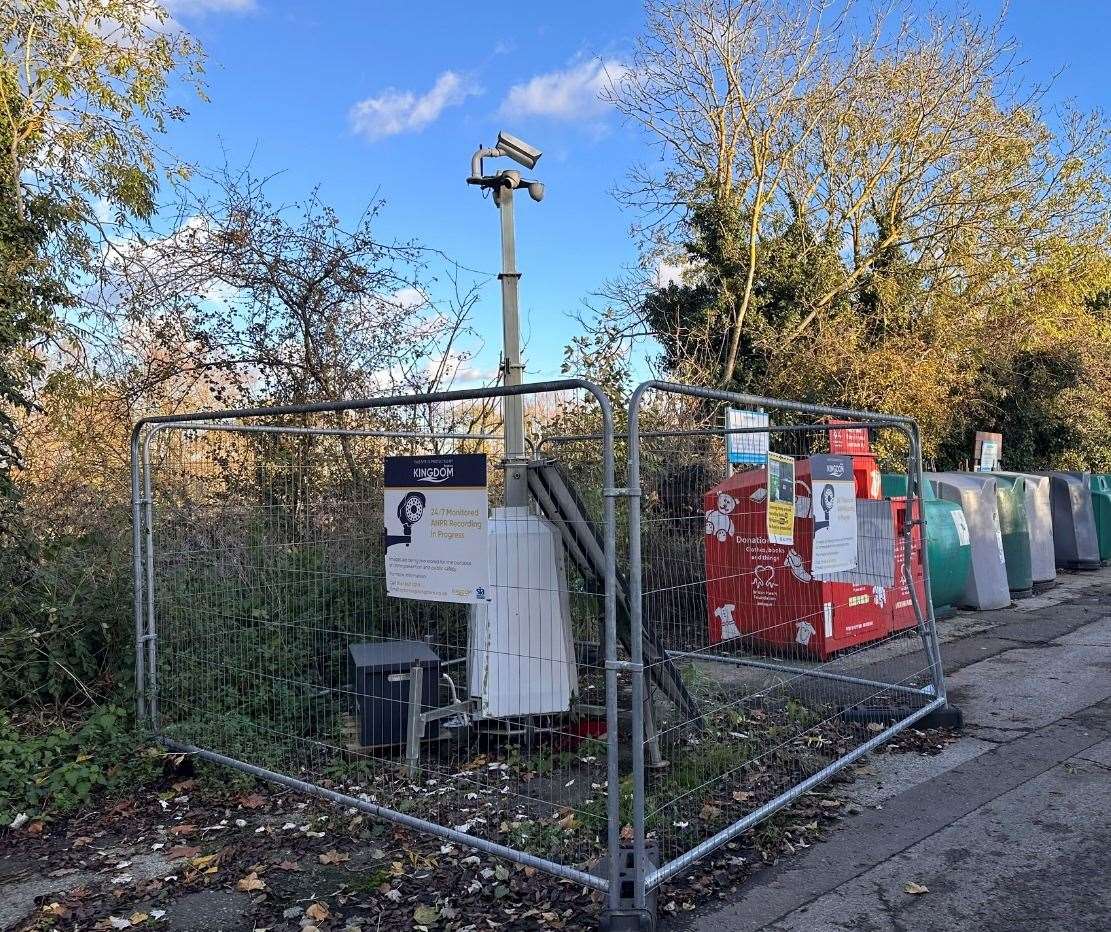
<point x="911" y="141"/>
<point x="248" y="302"/>
<point x="285" y="303"/>
<point x="728" y="88"/>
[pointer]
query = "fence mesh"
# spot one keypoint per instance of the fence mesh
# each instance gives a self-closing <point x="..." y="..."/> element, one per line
<point x="779" y="603"/>
<point x="278" y="644"/>
<point x="794" y="662"/>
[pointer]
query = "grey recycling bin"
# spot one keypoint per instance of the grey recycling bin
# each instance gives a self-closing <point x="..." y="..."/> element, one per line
<point x="1039" y="515"/>
<point x="987" y="586"/>
<point x="1014" y="529"/>
<point x="1075" y="543"/>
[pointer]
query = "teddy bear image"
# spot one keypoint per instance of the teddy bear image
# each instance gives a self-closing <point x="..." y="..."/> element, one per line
<point x="718" y="522"/>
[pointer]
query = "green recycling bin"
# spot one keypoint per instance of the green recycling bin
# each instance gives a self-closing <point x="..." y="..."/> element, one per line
<point x="1100" y="484"/>
<point x="1014" y="527"/>
<point x="1039" y="514"/>
<point x="948" y="546"/>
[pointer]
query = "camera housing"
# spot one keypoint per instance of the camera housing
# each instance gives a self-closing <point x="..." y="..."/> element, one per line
<point x="518" y="150"/>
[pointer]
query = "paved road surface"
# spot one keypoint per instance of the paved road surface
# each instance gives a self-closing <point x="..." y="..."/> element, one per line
<point x="1010" y="828"/>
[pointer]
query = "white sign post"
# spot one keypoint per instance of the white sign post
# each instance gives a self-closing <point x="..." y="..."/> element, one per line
<point x="436" y="521"/>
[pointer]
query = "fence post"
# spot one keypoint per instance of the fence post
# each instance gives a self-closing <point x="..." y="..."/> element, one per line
<point x="925" y="614"/>
<point x="636" y="626"/>
<point x="137" y="574"/>
<point x="151" y="630"/>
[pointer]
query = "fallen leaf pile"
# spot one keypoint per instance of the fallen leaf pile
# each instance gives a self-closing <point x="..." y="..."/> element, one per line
<point x="290" y="863"/>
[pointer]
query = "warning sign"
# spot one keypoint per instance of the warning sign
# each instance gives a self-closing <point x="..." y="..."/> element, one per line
<point x="436" y="517"/>
<point x="834" y="504"/>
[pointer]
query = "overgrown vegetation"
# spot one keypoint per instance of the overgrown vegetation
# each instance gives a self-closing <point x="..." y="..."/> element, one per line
<point x="49" y="773"/>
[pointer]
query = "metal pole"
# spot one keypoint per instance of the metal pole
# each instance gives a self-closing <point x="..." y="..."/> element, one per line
<point x="151" y="635"/>
<point x="613" y="735"/>
<point x="516" y="481"/>
<point x="798" y="672"/>
<point x="927" y="622"/>
<point x="137" y="576"/>
<point x="636" y="651"/>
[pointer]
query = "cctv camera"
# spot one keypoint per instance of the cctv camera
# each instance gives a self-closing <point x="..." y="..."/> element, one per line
<point x="518" y="150"/>
<point x="536" y="190"/>
<point x="511" y="179"/>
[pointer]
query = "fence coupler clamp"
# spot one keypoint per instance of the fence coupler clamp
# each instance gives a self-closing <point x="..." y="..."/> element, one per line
<point x="624" y="666"/>
<point x="621" y="493"/>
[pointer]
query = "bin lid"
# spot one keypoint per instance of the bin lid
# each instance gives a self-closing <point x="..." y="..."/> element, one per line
<point x="392" y="656"/>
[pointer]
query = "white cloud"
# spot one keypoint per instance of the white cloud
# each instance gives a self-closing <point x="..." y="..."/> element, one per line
<point x="198" y="7"/>
<point x="394" y="111"/>
<point x="671" y="273"/>
<point x="572" y="94"/>
<point x="409" y="298"/>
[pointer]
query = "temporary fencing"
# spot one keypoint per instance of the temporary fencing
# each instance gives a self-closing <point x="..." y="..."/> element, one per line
<point x="337" y="598"/>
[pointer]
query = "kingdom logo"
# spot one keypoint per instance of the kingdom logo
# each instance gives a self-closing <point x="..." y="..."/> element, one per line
<point x="433" y="473"/>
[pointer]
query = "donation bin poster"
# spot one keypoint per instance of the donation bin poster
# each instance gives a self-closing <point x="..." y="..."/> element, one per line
<point x="833" y="500"/>
<point x="436" y="517"/>
<point x="781" y="499"/>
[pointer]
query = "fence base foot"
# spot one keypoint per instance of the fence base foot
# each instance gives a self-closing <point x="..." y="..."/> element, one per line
<point x="626" y="917"/>
<point x="628" y="922"/>
<point x="948" y="716"/>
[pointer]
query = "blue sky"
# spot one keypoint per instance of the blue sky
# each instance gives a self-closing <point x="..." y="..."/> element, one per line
<point x="388" y="98"/>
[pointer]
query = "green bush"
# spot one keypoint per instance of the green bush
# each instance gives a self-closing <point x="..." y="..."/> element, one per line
<point x="65" y="620"/>
<point x="51" y="773"/>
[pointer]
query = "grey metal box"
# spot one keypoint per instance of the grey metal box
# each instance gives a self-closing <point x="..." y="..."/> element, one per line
<point x="382" y="704"/>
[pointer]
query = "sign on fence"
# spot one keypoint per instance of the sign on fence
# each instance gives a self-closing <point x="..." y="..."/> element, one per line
<point x="833" y="500"/>
<point x="436" y="516"/>
<point x="746" y="447"/>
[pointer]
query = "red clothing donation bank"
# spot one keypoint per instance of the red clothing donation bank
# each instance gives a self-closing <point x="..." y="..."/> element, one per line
<point x="839" y="583"/>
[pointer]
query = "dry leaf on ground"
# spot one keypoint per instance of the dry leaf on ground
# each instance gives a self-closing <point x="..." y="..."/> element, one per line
<point x="317" y="912"/>
<point x="251" y="883"/>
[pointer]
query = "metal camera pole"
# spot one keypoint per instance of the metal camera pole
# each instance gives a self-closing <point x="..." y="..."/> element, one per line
<point x="503" y="185"/>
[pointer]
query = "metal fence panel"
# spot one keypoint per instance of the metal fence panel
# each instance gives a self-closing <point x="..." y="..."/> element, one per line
<point x="261" y="591"/>
<point x="679" y="691"/>
<point x="799" y="665"/>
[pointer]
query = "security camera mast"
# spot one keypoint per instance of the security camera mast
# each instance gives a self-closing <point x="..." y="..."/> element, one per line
<point x="503" y="185"/>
